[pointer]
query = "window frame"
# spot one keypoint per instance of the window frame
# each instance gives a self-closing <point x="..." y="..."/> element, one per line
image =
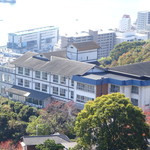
<point x="37" y="74"/>
<point x="37" y="87"/>
<point x="114" y="88"/>
<point x="20" y="71"/>
<point x="135" y="89"/>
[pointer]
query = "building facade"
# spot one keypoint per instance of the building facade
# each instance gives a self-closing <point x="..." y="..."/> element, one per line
<point x="130" y="37"/>
<point x="36" y="40"/>
<point x="105" y="39"/>
<point x="84" y="52"/>
<point x="36" y="79"/>
<point x="143" y="21"/>
<point x="125" y="23"/>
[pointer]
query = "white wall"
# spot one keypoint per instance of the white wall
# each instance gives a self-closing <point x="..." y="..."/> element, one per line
<point x="88" y="55"/>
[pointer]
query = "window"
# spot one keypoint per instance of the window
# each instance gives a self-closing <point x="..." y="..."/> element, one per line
<point x="83" y="99"/>
<point x="26" y="83"/>
<point x="20" y="70"/>
<point x="55" y="78"/>
<point x="114" y="88"/>
<point x="134" y="101"/>
<point x="72" y="95"/>
<point x="37" y="74"/>
<point x="63" y="80"/>
<point x="20" y="82"/>
<point x="55" y="90"/>
<point x="37" y="86"/>
<point x="44" y="87"/>
<point x="135" y="89"/>
<point x="27" y="71"/>
<point x="44" y="75"/>
<point x="62" y="92"/>
<point x="85" y="87"/>
<point x="72" y="83"/>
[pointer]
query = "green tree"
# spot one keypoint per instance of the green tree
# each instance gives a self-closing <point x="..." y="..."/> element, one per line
<point x="111" y="122"/>
<point x="50" y="145"/>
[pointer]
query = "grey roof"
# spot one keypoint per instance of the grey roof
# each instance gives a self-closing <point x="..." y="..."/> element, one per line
<point x="28" y="93"/>
<point x="59" y="53"/>
<point x="137" y="69"/>
<point x="35" y="140"/>
<point x="86" y="45"/>
<point x="55" y="65"/>
<point x="106" y="75"/>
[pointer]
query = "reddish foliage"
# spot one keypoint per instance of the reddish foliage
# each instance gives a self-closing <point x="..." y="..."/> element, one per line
<point x="147" y="113"/>
<point x="9" y="145"/>
<point x="62" y="106"/>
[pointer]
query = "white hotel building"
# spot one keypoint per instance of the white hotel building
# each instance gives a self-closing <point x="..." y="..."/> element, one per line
<point x="36" y="79"/>
<point x="37" y="40"/>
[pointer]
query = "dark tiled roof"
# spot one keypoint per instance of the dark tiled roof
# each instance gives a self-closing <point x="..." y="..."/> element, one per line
<point x="137" y="69"/>
<point x="28" y="93"/>
<point x="55" y="65"/>
<point x="35" y="140"/>
<point x="86" y="46"/>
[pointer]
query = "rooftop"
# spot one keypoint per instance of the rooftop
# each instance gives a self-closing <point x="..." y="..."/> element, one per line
<point x="35" y="140"/>
<point x="35" y="30"/>
<point x="54" y="65"/>
<point x="86" y="46"/>
<point x="136" y="69"/>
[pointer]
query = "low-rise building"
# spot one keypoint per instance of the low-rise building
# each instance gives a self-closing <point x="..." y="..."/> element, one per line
<point x="36" y="79"/>
<point x="130" y="37"/>
<point x="29" y="142"/>
<point x="84" y="51"/>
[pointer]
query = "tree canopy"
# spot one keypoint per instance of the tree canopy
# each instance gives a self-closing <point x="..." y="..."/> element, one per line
<point x="49" y="145"/>
<point x="111" y="122"/>
<point x="127" y="53"/>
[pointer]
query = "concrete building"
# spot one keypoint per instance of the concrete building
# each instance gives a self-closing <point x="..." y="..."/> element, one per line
<point x="125" y="23"/>
<point x="130" y="37"/>
<point x="36" y="79"/>
<point x="143" y="21"/>
<point x="105" y="39"/>
<point x="36" y="40"/>
<point x="84" y="52"/>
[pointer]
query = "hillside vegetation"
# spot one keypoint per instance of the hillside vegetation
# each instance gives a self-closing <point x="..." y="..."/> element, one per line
<point x="127" y="53"/>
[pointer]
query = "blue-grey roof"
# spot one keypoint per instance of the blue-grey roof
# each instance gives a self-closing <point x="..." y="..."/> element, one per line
<point x="55" y="65"/>
<point x="28" y="93"/>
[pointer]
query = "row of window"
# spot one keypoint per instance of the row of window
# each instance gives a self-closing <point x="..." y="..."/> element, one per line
<point x="44" y="76"/>
<point x="62" y="92"/>
<point x="116" y="88"/>
<point x="85" y="87"/>
<point x="83" y="99"/>
<point x="44" y="88"/>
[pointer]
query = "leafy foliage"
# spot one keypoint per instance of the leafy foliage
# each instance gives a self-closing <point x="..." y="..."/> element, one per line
<point x="109" y="122"/>
<point x="127" y="53"/>
<point x="14" y="118"/>
<point x="50" y="122"/>
<point x="49" y="145"/>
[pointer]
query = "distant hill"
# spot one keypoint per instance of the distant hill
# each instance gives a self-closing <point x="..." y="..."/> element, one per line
<point x="127" y="53"/>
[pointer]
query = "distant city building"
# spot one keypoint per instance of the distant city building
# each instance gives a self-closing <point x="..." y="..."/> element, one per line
<point x="105" y="39"/>
<point x="129" y="37"/>
<point x="125" y="23"/>
<point x="36" y="40"/>
<point x="143" y="21"/>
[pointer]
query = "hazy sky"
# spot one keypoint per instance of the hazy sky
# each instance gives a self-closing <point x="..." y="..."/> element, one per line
<point x="69" y="15"/>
